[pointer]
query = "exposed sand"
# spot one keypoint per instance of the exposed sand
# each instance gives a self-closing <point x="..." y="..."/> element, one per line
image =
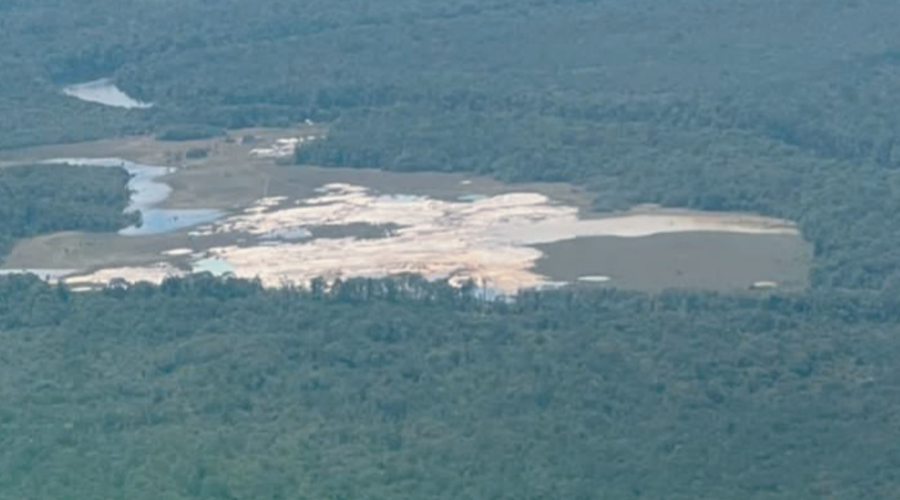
<point x="177" y="252"/>
<point x="283" y="229"/>
<point x="526" y="218"/>
<point x="281" y="148"/>
<point x="594" y="279"/>
<point x="153" y="274"/>
<point x="487" y="240"/>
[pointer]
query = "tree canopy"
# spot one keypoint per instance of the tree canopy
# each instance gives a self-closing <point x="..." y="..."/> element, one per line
<point x="395" y="389"/>
<point x="750" y="105"/>
<point x="42" y="199"/>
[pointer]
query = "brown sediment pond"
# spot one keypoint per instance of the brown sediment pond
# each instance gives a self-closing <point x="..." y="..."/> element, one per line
<point x="716" y="261"/>
<point x="290" y="224"/>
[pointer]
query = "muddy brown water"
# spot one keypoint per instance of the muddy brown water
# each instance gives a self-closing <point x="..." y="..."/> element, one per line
<point x="717" y="261"/>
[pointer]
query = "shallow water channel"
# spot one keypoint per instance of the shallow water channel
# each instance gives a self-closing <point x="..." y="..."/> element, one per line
<point x="307" y="222"/>
<point x="147" y="191"/>
<point x="104" y="92"/>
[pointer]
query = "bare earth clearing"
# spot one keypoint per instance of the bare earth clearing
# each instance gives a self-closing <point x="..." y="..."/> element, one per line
<point x="290" y="224"/>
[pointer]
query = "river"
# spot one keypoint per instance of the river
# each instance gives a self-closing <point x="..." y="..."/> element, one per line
<point x="104" y="92"/>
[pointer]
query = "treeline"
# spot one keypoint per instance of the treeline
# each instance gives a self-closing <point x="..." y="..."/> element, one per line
<point x="207" y="388"/>
<point x="231" y="65"/>
<point x="188" y="133"/>
<point x="650" y="102"/>
<point x="41" y="199"/>
<point x="671" y="153"/>
<point x="642" y="103"/>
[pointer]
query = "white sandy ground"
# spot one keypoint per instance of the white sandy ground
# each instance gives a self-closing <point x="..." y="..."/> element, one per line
<point x="153" y="274"/>
<point x="282" y="148"/>
<point x="594" y="279"/>
<point x="177" y="252"/>
<point x="489" y="240"/>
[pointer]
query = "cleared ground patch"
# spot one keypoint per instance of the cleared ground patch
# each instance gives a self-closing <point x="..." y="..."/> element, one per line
<point x="286" y="223"/>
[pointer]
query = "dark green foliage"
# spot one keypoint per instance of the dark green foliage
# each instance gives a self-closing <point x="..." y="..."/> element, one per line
<point x="41" y="199"/>
<point x="188" y="132"/>
<point x="400" y="389"/>
<point x="196" y="153"/>
<point x="846" y="210"/>
<point x="751" y="105"/>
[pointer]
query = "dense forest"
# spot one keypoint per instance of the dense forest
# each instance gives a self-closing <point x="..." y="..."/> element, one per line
<point x="402" y="389"/>
<point x="396" y="389"/>
<point x="845" y="209"/>
<point x="748" y="105"/>
<point x="42" y="199"/>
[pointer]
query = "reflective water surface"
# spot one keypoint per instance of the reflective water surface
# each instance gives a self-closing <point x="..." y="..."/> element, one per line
<point x="104" y="92"/>
<point x="147" y="192"/>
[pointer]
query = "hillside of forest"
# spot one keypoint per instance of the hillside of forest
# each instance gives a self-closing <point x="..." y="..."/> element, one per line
<point x="402" y="389"/>
<point x="394" y="389"/>
<point x="746" y="106"/>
